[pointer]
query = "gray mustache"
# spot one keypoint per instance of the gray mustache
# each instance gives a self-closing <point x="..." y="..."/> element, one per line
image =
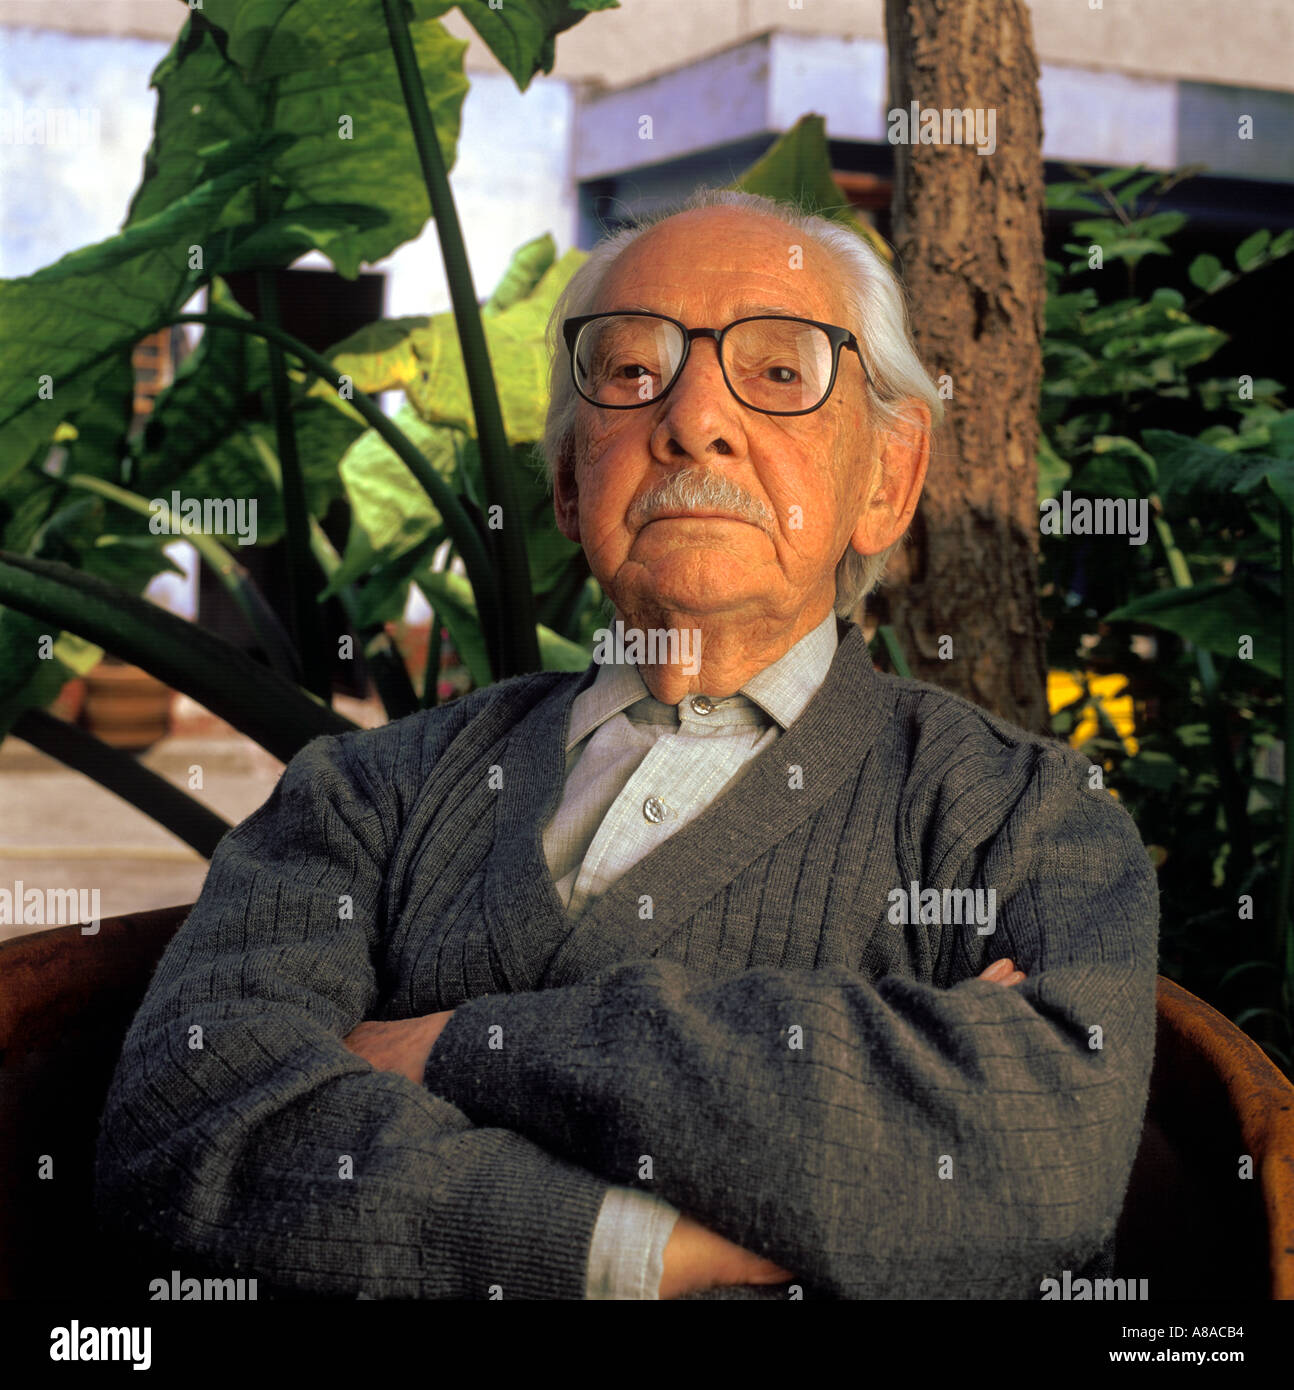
<point x="693" y="491"/>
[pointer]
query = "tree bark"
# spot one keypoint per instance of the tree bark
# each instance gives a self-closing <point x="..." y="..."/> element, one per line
<point x="968" y="230"/>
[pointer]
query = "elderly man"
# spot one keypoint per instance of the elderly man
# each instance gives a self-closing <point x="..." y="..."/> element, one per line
<point x="676" y="979"/>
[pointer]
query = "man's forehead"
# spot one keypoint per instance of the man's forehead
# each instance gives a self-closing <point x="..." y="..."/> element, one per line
<point x="741" y="308"/>
<point x="749" y="264"/>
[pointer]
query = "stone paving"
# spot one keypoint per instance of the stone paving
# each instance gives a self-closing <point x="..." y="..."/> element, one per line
<point x="60" y="830"/>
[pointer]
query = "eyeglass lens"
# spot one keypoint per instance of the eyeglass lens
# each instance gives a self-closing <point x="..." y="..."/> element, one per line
<point x="771" y="364"/>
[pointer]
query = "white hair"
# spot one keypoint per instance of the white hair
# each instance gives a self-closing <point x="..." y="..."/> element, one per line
<point x="877" y="315"/>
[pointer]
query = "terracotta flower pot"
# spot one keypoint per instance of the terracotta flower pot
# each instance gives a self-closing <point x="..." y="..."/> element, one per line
<point x="126" y="707"/>
<point x="70" y="701"/>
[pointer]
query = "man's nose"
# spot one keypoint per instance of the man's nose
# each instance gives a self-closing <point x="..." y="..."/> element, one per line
<point x="700" y="411"/>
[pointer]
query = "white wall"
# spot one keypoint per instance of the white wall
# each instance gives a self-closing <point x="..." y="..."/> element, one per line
<point x="1234" y="42"/>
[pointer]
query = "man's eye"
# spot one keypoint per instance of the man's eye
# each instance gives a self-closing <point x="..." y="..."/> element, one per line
<point x="627" y="369"/>
<point x="783" y="376"/>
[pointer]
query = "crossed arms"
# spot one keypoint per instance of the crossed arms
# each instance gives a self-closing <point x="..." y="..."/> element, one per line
<point x="695" y="1258"/>
<point x="271" y="1146"/>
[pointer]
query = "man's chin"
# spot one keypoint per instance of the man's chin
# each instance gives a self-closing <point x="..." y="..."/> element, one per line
<point x="690" y="602"/>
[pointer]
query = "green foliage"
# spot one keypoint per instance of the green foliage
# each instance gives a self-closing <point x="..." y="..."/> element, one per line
<point x="392" y="520"/>
<point x="1209" y="588"/>
<point x="797" y="169"/>
<point x="281" y="128"/>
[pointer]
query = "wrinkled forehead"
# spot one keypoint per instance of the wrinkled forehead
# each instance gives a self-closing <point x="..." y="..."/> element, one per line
<point x="712" y="265"/>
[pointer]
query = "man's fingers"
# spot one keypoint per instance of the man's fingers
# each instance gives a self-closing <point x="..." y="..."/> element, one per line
<point x="1003" y="972"/>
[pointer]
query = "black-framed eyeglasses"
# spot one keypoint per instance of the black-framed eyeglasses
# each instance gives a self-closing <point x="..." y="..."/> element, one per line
<point x="772" y="363"/>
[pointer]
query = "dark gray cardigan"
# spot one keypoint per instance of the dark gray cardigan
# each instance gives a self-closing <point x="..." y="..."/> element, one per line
<point x="737" y="1025"/>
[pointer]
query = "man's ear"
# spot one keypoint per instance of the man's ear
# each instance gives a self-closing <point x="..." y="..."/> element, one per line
<point x="566" y="496"/>
<point x="900" y="474"/>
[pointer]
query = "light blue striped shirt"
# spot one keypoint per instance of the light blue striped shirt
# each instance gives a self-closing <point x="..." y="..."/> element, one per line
<point x="637" y="771"/>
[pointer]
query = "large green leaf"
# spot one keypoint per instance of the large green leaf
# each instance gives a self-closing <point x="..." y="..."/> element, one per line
<point x="1214" y="616"/>
<point x="515" y="337"/>
<point x="340" y="114"/>
<point x="205" y="404"/>
<point x="797" y="169"/>
<point x="391" y="513"/>
<point x="385" y="592"/>
<point x="521" y="33"/>
<point x="26" y="503"/>
<point x="279" y="240"/>
<point x="26" y="438"/>
<point x="380" y="356"/>
<point x="275" y="38"/>
<point x="528" y="266"/>
<point x="204" y="439"/>
<point x="97" y="434"/>
<point x="1195" y="477"/>
<point x="391" y="517"/>
<point x="76" y="316"/>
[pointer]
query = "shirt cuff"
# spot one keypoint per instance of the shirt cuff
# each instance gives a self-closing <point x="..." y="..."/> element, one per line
<point x="627" y="1253"/>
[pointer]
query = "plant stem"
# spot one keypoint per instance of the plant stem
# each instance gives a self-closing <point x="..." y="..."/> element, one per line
<point x="390" y="674"/>
<point x="275" y="713"/>
<point x="514" y="621"/>
<point x="122" y="775"/>
<point x="431" y="672"/>
<point x="894" y="651"/>
<point x="306" y="627"/>
<point x="462" y="530"/>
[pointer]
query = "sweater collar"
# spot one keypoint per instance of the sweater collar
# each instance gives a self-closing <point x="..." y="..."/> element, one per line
<point x="536" y="943"/>
<point x="782" y="689"/>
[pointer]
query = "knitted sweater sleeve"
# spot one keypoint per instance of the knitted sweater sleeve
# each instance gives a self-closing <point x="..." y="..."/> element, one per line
<point x="241" y="1134"/>
<point x="881" y="1138"/>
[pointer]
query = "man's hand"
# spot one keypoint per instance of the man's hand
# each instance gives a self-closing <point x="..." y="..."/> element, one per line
<point x="402" y="1046"/>
<point x="1002" y="972"/>
<point x="696" y="1259"/>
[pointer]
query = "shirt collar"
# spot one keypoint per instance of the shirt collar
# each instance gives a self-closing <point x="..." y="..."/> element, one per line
<point x="782" y="689"/>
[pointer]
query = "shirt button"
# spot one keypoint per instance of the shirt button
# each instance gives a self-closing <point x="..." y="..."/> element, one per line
<point x="702" y="704"/>
<point x="654" y="809"/>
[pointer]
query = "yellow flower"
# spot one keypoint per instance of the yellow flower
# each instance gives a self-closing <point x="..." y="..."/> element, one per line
<point x="1067" y="688"/>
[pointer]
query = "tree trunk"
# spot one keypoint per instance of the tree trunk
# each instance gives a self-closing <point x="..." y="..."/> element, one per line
<point x="968" y="229"/>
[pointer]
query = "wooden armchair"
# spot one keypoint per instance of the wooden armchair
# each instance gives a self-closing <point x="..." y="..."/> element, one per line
<point x="1192" y="1225"/>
